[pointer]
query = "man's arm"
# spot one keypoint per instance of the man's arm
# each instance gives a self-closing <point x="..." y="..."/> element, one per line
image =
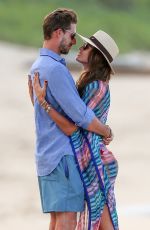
<point x="65" y="93"/>
<point x="64" y="124"/>
<point x="97" y="127"/>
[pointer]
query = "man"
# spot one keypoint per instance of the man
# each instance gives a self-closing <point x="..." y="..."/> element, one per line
<point x="61" y="189"/>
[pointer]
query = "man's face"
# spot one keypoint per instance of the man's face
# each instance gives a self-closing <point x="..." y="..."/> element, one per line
<point x="68" y="40"/>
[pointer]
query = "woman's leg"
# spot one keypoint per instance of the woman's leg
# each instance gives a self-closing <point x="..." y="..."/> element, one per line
<point x="106" y="222"/>
<point x="66" y="220"/>
<point x="52" y="221"/>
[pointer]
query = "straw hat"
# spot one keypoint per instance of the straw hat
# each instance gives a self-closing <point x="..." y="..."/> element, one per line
<point x="105" y="44"/>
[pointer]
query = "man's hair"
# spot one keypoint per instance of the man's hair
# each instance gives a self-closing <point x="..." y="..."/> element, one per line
<point x="60" y="18"/>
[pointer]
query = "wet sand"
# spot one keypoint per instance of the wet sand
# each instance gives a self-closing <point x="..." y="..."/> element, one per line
<point x="129" y="119"/>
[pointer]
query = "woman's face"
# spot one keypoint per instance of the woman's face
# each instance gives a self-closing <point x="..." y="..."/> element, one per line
<point x="83" y="54"/>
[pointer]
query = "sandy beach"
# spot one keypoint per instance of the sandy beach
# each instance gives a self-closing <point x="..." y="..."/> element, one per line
<point x="129" y="119"/>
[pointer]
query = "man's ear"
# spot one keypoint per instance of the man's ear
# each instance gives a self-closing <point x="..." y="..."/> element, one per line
<point x="58" y="33"/>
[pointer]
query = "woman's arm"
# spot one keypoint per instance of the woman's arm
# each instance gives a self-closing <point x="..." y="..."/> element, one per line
<point x="63" y="123"/>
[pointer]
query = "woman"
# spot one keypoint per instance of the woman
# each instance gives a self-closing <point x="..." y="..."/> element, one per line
<point x="97" y="165"/>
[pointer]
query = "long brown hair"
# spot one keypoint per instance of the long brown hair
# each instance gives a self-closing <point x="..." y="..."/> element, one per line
<point x="98" y="69"/>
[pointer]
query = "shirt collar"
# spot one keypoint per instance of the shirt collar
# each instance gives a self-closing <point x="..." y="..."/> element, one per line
<point x="50" y="53"/>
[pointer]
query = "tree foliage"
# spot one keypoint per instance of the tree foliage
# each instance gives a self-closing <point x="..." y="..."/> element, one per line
<point x="118" y="4"/>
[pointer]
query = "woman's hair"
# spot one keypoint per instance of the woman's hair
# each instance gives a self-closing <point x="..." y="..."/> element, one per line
<point x="98" y="69"/>
<point x="60" y="18"/>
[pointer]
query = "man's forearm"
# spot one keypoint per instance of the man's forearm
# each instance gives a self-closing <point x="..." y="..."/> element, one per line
<point x="97" y="127"/>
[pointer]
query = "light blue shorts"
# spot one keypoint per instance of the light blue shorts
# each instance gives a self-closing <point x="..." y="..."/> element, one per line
<point x="62" y="190"/>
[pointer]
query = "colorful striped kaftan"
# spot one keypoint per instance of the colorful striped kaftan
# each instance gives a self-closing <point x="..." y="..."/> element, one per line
<point x="97" y="166"/>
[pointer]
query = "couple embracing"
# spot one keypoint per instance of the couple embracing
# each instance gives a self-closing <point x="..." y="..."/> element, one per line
<point x="76" y="172"/>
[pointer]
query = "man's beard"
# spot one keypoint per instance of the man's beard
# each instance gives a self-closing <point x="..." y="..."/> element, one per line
<point x="63" y="48"/>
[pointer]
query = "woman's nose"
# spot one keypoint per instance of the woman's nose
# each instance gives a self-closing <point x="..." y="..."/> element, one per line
<point x="80" y="48"/>
<point x="74" y="41"/>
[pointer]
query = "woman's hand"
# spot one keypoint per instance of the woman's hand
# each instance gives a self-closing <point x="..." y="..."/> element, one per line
<point x="30" y="88"/>
<point x="40" y="92"/>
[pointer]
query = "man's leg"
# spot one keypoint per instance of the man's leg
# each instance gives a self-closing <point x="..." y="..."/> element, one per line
<point x="66" y="220"/>
<point x="52" y="221"/>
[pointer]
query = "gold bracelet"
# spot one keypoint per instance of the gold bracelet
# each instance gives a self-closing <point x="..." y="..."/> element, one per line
<point x="46" y="106"/>
<point x="43" y="103"/>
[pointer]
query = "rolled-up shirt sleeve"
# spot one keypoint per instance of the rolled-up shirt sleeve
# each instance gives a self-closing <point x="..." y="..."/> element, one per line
<point x="64" y="91"/>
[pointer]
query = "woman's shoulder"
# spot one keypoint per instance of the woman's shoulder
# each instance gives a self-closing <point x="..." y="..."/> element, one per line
<point x="96" y="85"/>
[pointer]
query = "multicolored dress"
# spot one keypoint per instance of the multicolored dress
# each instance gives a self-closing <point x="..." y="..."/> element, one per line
<point x="96" y="164"/>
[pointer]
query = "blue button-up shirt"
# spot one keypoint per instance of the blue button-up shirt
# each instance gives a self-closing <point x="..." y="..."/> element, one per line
<point x="51" y="143"/>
